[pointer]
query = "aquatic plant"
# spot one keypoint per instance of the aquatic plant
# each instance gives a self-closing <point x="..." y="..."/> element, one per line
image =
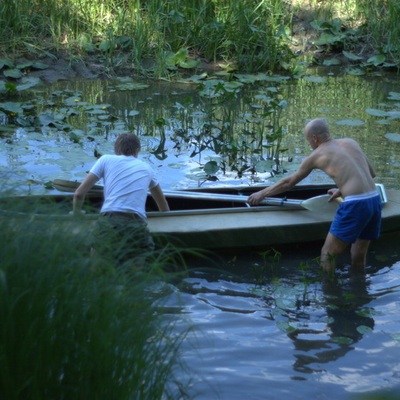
<point x="71" y="329"/>
<point x="248" y="36"/>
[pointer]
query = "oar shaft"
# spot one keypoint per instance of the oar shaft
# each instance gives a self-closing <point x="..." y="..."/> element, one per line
<point x="70" y="186"/>
<point x="270" y="201"/>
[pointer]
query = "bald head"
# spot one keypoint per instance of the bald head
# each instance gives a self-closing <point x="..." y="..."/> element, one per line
<point x="317" y="127"/>
<point x="317" y="132"/>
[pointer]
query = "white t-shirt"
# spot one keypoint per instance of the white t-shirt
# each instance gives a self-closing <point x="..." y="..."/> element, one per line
<point x="126" y="182"/>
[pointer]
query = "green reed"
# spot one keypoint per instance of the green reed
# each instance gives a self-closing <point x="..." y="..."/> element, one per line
<point x="383" y="24"/>
<point x="245" y="33"/>
<point x="71" y="330"/>
<point x="249" y="35"/>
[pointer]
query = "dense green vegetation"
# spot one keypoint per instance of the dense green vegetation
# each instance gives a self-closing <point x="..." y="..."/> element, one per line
<point x="74" y="329"/>
<point x="156" y="37"/>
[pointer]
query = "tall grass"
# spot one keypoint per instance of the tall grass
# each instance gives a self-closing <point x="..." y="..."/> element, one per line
<point x="382" y="17"/>
<point x="250" y="35"/>
<point x="70" y="332"/>
<point x="246" y="33"/>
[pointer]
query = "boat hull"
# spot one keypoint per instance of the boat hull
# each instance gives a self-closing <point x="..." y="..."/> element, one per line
<point x="215" y="226"/>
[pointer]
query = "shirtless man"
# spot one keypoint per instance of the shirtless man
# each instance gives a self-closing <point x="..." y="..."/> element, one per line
<point x="358" y="219"/>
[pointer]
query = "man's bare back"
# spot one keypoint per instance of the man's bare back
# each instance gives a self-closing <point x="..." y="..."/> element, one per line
<point x="344" y="161"/>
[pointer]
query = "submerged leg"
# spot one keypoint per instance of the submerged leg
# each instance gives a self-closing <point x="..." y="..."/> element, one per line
<point x="359" y="251"/>
<point x="331" y="248"/>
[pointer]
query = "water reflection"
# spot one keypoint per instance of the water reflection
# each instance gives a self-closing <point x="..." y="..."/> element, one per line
<point x="348" y="318"/>
<point x="295" y="333"/>
<point x="181" y="131"/>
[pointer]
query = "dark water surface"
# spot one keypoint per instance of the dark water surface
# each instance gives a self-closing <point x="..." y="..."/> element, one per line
<point x="364" y="108"/>
<point x="261" y="331"/>
<point x="296" y="335"/>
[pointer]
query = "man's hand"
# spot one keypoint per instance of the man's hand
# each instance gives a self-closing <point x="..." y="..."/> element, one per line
<point x="256" y="198"/>
<point x="335" y="194"/>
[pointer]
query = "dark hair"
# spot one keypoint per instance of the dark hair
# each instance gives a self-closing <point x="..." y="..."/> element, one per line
<point x="127" y="144"/>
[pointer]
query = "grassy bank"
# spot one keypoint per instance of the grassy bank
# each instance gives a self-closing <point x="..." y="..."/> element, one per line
<point x="71" y="332"/>
<point x="156" y="37"/>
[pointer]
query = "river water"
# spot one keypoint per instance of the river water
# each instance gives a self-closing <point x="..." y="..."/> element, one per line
<point x="262" y="328"/>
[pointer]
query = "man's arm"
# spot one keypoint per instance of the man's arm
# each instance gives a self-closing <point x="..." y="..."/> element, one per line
<point x="159" y="198"/>
<point x="284" y="184"/>
<point x="81" y="191"/>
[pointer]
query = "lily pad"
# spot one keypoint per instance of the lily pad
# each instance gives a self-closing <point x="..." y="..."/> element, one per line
<point x="315" y="79"/>
<point x="194" y="78"/>
<point x="332" y="61"/>
<point x="39" y="65"/>
<point x="131" y="86"/>
<point x="377" y="60"/>
<point x="355" y="71"/>
<point x="211" y="167"/>
<point x="11" y="108"/>
<point x="342" y="340"/>
<point x="393" y="114"/>
<point x="363" y="329"/>
<point x="394" y="96"/>
<point x="376" y="113"/>
<point x="393" y="137"/>
<point x="12" y="73"/>
<point x="188" y="64"/>
<point x="246" y="78"/>
<point x="351" y="56"/>
<point x="350" y="122"/>
<point x="27" y="83"/>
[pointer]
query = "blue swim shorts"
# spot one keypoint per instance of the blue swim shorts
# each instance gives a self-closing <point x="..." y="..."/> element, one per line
<point x="358" y="217"/>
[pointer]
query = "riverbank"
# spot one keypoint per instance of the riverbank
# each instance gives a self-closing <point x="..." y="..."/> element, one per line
<point x="158" y="42"/>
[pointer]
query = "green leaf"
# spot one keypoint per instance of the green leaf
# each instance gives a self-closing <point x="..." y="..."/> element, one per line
<point x="6" y="63"/>
<point x="394" y="96"/>
<point x="25" y="65"/>
<point x="377" y="60"/>
<point x="376" y="113"/>
<point x="363" y="329"/>
<point x="350" y="122"/>
<point x="27" y="83"/>
<point x="351" y="56"/>
<point x="393" y="137"/>
<point x="11" y="108"/>
<point x="332" y="61"/>
<point x="105" y="45"/>
<point x="188" y="64"/>
<point x="355" y="71"/>
<point x="180" y="56"/>
<point x="316" y="79"/>
<point x="12" y="73"/>
<point x="39" y="65"/>
<point x="211" y="168"/>
<point x="342" y="340"/>
<point x="285" y="327"/>
<point x="328" y="38"/>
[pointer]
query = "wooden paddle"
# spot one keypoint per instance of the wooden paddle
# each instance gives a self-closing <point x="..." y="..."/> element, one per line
<point x="318" y="204"/>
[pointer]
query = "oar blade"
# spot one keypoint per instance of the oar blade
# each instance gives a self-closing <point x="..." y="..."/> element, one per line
<point x="320" y="204"/>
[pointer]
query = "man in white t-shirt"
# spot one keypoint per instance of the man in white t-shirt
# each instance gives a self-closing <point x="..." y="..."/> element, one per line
<point x="121" y="230"/>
